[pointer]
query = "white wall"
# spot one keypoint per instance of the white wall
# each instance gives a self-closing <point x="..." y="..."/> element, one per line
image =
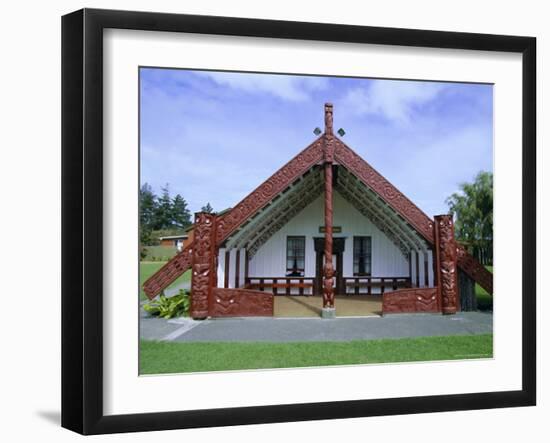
<point x="387" y="259"/>
<point x="31" y="104"/>
<point x="232" y="267"/>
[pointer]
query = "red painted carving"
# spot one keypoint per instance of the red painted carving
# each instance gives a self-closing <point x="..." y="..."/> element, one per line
<point x="241" y="303"/>
<point x="275" y="184"/>
<point x="410" y="300"/>
<point x="169" y="272"/>
<point x="203" y="275"/>
<point x="389" y="193"/>
<point x="328" y="271"/>
<point x="324" y="148"/>
<point x="446" y="259"/>
<point x="328" y="119"/>
<point x="474" y="269"/>
<point x="345" y="156"/>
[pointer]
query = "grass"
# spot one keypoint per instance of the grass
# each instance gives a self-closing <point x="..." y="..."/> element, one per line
<point x="159" y="253"/>
<point x="147" y="269"/>
<point x="484" y="299"/>
<point x="173" y="357"/>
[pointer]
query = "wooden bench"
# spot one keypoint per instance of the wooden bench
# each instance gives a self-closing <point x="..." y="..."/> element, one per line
<point x="381" y="282"/>
<point x="275" y="284"/>
<point x="278" y="285"/>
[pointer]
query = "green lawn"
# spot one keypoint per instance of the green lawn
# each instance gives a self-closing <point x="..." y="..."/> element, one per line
<point x="484" y="299"/>
<point x="171" y="357"/>
<point x="159" y="253"/>
<point x="146" y="269"/>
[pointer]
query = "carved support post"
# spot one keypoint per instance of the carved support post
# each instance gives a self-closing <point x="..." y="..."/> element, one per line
<point x="446" y="257"/>
<point x="204" y="276"/>
<point x="328" y="270"/>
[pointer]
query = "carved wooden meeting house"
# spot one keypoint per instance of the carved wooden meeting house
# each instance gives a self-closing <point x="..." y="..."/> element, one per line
<point x="324" y="224"/>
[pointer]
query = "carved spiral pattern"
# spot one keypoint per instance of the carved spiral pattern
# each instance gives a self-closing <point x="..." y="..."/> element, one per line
<point x="365" y="172"/>
<point x="314" y="154"/>
<point x="168" y="273"/>
<point x="275" y="184"/>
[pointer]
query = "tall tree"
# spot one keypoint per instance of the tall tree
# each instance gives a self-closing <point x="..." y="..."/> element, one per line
<point x="207" y="208"/>
<point x="181" y="216"/>
<point x="163" y="217"/>
<point x="472" y="208"/>
<point x="147" y="209"/>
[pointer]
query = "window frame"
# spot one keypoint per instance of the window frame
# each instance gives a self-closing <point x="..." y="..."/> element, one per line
<point x="368" y="254"/>
<point x="288" y="270"/>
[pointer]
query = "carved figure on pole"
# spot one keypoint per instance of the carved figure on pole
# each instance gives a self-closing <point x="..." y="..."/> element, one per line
<point x="328" y="269"/>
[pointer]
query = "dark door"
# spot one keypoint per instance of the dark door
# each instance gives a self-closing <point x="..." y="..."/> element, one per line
<point x="338" y="247"/>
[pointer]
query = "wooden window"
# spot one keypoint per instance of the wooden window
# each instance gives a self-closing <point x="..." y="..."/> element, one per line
<point x="362" y="256"/>
<point x="295" y="256"/>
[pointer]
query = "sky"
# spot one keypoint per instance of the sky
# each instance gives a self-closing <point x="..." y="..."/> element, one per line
<point x="215" y="136"/>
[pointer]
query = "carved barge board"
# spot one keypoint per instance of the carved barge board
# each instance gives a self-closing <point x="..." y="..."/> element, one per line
<point x="169" y="272"/>
<point x="475" y="270"/>
<point x="284" y="177"/>
<point x="423" y="224"/>
<point x="274" y="185"/>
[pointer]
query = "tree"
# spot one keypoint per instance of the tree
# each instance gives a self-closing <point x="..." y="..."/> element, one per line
<point x="472" y="209"/>
<point x="207" y="208"/>
<point x="181" y="216"/>
<point x="147" y="209"/>
<point x="163" y="217"/>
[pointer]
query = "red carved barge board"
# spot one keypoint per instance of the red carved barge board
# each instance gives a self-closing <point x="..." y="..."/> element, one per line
<point x="285" y="176"/>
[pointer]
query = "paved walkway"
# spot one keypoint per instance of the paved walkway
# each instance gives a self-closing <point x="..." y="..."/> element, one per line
<point x="315" y="329"/>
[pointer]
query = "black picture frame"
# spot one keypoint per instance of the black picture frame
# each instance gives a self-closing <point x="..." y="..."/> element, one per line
<point x="82" y="186"/>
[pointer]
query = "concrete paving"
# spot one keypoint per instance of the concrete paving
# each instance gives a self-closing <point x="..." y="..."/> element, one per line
<point x="315" y="329"/>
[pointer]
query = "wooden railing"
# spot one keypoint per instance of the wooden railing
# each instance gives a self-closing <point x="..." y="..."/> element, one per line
<point x="284" y="283"/>
<point x="354" y="285"/>
<point x="306" y="285"/>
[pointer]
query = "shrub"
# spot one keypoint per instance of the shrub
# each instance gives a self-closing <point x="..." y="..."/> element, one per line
<point x="169" y="307"/>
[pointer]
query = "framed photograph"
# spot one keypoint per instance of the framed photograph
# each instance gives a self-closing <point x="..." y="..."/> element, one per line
<point x="269" y="221"/>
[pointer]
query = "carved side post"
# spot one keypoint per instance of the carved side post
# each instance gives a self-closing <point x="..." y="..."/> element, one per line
<point x="328" y="270"/>
<point x="446" y="257"/>
<point x="203" y="277"/>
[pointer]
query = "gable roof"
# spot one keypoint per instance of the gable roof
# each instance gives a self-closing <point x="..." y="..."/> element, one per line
<point x="269" y="189"/>
<point x="403" y="212"/>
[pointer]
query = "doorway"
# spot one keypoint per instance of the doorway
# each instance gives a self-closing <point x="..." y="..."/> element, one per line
<point x="338" y="247"/>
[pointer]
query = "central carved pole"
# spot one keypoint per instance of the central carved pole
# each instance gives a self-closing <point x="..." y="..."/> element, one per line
<point x="328" y="270"/>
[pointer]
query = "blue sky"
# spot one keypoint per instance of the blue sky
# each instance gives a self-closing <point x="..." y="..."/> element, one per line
<point x="215" y="136"/>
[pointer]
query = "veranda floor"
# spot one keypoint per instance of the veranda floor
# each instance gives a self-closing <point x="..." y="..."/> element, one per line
<point x="310" y="306"/>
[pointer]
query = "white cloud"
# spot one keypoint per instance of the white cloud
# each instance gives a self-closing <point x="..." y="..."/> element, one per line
<point x="292" y="88"/>
<point x="395" y="100"/>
